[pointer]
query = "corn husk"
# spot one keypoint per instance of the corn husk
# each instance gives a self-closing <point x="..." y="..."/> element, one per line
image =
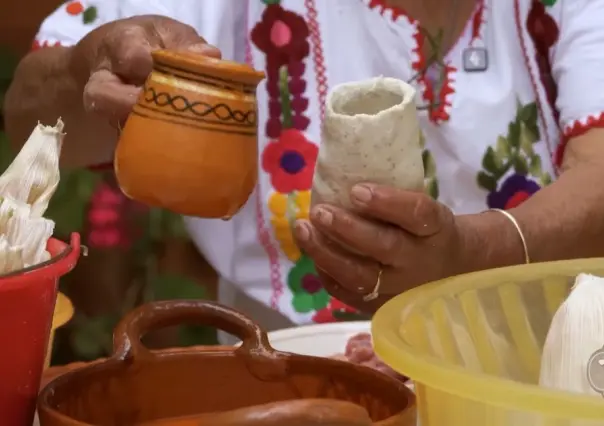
<point x="26" y="188"/>
<point x="575" y="334"/>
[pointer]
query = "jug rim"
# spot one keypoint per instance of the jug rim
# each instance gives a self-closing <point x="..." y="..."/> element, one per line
<point x="201" y="64"/>
<point x="432" y="372"/>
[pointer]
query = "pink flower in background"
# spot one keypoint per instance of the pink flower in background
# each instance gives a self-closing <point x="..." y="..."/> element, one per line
<point x="107" y="227"/>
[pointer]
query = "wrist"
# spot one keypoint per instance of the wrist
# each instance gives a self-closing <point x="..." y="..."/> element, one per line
<point x="488" y="240"/>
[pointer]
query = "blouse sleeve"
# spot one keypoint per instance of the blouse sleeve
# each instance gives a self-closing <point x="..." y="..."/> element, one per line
<point x="578" y="65"/>
<point x="73" y="20"/>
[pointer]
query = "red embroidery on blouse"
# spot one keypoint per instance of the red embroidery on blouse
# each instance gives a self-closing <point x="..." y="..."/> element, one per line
<point x="44" y="43"/>
<point x="318" y="56"/>
<point x="577" y="128"/>
<point x="442" y="105"/>
<point x="478" y="21"/>
<point x="544" y="32"/>
<point x="527" y="61"/>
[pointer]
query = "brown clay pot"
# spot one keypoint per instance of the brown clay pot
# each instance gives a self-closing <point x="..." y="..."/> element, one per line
<point x="136" y="385"/>
<point x="190" y="143"/>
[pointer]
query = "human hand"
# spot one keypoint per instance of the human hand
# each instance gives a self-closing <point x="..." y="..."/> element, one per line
<point x="409" y="236"/>
<point x="113" y="61"/>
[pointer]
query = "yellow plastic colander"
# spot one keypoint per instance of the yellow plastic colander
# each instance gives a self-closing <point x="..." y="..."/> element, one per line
<point x="473" y="343"/>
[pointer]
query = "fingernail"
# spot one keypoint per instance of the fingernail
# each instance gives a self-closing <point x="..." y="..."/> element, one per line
<point x="302" y="230"/>
<point x="205" y="49"/>
<point x="324" y="216"/>
<point x="361" y="194"/>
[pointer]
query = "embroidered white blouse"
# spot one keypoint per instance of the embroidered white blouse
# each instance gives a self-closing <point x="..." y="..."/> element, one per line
<point x="491" y="135"/>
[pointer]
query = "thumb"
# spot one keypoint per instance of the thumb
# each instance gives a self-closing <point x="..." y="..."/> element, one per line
<point x="205" y="49"/>
<point x="178" y="36"/>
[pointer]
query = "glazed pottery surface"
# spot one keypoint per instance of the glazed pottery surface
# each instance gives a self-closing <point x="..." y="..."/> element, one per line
<point x="190" y="143"/>
<point x="136" y="385"/>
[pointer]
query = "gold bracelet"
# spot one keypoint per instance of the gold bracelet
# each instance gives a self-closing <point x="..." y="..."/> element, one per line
<point x="512" y="219"/>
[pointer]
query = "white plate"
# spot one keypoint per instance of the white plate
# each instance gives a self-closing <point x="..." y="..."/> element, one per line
<point x="317" y="339"/>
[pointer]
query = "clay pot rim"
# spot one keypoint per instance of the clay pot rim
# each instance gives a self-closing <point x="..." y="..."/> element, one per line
<point x="298" y="363"/>
<point x="202" y="64"/>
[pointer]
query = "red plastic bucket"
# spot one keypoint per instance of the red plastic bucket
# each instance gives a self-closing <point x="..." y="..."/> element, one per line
<point x="27" y="301"/>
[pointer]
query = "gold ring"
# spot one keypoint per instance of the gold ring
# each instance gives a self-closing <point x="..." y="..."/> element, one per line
<point x="376" y="290"/>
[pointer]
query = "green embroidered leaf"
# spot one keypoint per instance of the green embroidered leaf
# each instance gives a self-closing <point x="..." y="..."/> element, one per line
<point x="432" y="188"/>
<point x="514" y="134"/>
<point x="535" y="167"/>
<point x="486" y="182"/>
<point x="269" y="2"/>
<point x="429" y="164"/>
<point x="490" y="162"/>
<point x="546" y="179"/>
<point x="90" y="15"/>
<point x="520" y="165"/>
<point x="549" y="2"/>
<point x="422" y="139"/>
<point x="171" y="286"/>
<point x="529" y="116"/>
<point x="286" y="109"/>
<point x="526" y="140"/>
<point x="528" y="113"/>
<point x="502" y="149"/>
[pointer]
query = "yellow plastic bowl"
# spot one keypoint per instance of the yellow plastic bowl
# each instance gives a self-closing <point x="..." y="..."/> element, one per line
<point x="473" y="344"/>
<point x="63" y="313"/>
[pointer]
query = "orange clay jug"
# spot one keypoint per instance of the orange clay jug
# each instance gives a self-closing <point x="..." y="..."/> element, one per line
<point x="190" y="143"/>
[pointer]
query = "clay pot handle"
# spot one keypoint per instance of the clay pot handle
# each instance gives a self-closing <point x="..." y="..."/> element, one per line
<point x="128" y="333"/>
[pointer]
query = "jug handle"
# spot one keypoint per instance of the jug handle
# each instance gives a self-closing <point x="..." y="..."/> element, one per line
<point x="264" y="361"/>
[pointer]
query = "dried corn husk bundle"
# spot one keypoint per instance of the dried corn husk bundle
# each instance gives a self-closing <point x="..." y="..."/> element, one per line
<point x="371" y="134"/>
<point x="25" y="191"/>
<point x="575" y="334"/>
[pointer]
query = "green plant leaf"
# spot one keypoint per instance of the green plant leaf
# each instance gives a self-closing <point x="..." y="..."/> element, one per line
<point x="486" y="181"/>
<point x="490" y="162"/>
<point x="190" y="335"/>
<point x="514" y="134"/>
<point x="171" y="286"/>
<point x="176" y="226"/>
<point x="93" y="337"/>
<point x="520" y="165"/>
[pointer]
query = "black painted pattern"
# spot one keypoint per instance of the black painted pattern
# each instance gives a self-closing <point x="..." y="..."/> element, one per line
<point x="222" y="112"/>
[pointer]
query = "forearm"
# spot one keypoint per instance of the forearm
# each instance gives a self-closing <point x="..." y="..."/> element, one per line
<point x="45" y="89"/>
<point x="562" y="221"/>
